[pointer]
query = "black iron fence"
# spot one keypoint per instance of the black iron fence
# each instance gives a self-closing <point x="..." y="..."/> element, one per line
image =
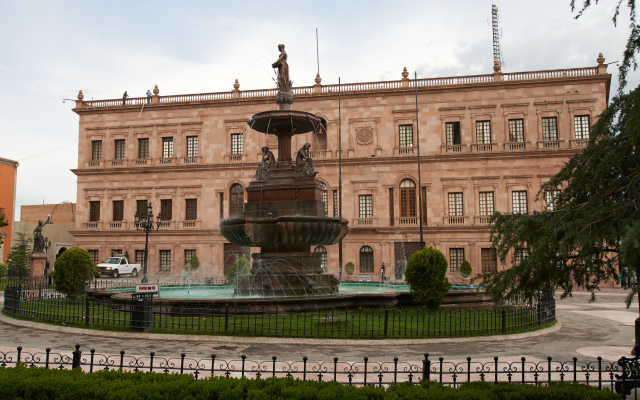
<point x="620" y="376"/>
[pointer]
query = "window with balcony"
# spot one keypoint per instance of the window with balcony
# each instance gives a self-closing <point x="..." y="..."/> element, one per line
<point x="455" y="204"/>
<point x="165" y="260"/>
<point x="407" y="198"/>
<point x="118" y="210"/>
<point x="453" y="133"/>
<point x="192" y="146"/>
<point x="139" y="254"/>
<point x="581" y="126"/>
<point x="94" y="211"/>
<point x="236" y="201"/>
<point x="551" y="197"/>
<point x="456" y="257"/>
<point x="483" y="132"/>
<point x="323" y="257"/>
<point x="366" y="260"/>
<point x="549" y="129"/>
<point x="236" y="144"/>
<point x="365" y="202"/>
<point x="96" y="150"/>
<point x="406" y="136"/>
<point x="143" y="148"/>
<point x="188" y="254"/>
<point x="119" y="146"/>
<point x="191" y="209"/>
<point x="166" y="209"/>
<point x="519" y="201"/>
<point x="94" y="255"/>
<point x="516" y="130"/>
<point x="489" y="260"/>
<point x="141" y="207"/>
<point x="167" y="147"/>
<point x="486" y="204"/>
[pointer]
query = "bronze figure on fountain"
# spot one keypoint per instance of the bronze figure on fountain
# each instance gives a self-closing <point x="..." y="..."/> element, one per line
<point x="285" y="95"/>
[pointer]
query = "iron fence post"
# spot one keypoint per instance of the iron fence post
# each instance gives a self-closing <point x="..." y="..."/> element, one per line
<point x="504" y="320"/>
<point x="426" y="367"/>
<point x="226" y="317"/>
<point x="386" y="320"/>
<point x="75" y="361"/>
<point x="86" y="311"/>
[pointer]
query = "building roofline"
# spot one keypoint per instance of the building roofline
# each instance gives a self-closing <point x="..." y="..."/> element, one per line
<point x="9" y="162"/>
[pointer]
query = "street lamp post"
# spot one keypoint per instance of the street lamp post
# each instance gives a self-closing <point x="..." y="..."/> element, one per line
<point x="145" y="223"/>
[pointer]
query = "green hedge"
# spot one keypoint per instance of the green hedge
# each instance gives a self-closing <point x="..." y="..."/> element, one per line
<point x="39" y="383"/>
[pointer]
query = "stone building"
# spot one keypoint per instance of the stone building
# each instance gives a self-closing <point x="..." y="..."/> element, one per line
<point x="486" y="143"/>
<point x="8" y="178"/>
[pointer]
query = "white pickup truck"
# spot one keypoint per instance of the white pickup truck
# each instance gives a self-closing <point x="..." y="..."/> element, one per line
<point x="116" y="266"/>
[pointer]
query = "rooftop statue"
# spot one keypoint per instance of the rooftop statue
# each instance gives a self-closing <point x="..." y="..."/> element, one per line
<point x="284" y="83"/>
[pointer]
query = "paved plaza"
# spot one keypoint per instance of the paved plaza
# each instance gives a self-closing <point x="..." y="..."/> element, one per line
<point x="585" y="330"/>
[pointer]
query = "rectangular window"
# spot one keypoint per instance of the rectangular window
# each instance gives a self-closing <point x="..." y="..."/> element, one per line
<point x="581" y="126"/>
<point x="489" y="260"/>
<point x="141" y="207"/>
<point x="455" y="205"/>
<point x="94" y="211"/>
<point x="424" y="205"/>
<point x="486" y="203"/>
<point x="118" y="210"/>
<point x="143" y="148"/>
<point x="549" y="129"/>
<point x="191" y="207"/>
<point x="192" y="146"/>
<point x="221" y="206"/>
<point x="519" y="255"/>
<point x="366" y="206"/>
<point x="456" y="257"/>
<point x="335" y="204"/>
<point x="391" y="208"/>
<point x="516" y="130"/>
<point x="165" y="209"/>
<point x="116" y="253"/>
<point x="406" y="135"/>
<point x="519" y="198"/>
<point x="167" y="147"/>
<point x="188" y="254"/>
<point x="96" y="150"/>
<point x="94" y="255"/>
<point x="325" y="198"/>
<point x="483" y="132"/>
<point x="236" y="143"/>
<point x="165" y="260"/>
<point x="453" y="133"/>
<point x="550" y="197"/>
<point x="139" y="254"/>
<point x="119" y="147"/>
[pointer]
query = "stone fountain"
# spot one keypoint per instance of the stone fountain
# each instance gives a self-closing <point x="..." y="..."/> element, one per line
<point x="285" y="214"/>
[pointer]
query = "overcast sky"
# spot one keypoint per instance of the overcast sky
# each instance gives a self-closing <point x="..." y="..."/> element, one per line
<point x="51" y="49"/>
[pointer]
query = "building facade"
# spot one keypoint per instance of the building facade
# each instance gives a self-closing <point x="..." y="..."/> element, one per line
<point x="61" y="218"/>
<point x="486" y="143"/>
<point x="8" y="180"/>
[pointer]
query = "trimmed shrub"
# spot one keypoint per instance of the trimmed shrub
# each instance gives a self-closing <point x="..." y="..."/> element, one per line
<point x="425" y="274"/>
<point x="349" y="268"/>
<point x="72" y="269"/>
<point x="465" y="269"/>
<point x="194" y="263"/>
<point x="240" y="267"/>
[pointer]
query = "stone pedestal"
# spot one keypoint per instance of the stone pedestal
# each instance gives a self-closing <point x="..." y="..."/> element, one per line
<point x="37" y="263"/>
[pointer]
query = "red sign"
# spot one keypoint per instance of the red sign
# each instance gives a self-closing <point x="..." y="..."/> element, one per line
<point x="147" y="288"/>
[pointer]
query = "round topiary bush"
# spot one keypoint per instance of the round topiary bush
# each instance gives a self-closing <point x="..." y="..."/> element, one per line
<point x="240" y="267"/>
<point x="425" y="274"/>
<point x="349" y="268"/>
<point x="465" y="269"/>
<point x="72" y="269"/>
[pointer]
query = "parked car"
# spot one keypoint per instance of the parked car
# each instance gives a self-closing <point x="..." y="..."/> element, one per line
<point x="116" y="266"/>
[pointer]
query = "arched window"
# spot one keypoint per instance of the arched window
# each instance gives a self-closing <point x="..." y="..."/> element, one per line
<point x="323" y="256"/>
<point x="236" y="200"/>
<point x="366" y="260"/>
<point x="407" y="198"/>
<point x="325" y="199"/>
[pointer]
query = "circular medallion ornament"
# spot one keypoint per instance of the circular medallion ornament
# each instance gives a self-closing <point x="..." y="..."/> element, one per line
<point x="364" y="136"/>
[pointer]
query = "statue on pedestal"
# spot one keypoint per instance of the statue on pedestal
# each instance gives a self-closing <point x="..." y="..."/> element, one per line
<point x="304" y="163"/>
<point x="284" y="83"/>
<point x="267" y="164"/>
<point x="40" y="242"/>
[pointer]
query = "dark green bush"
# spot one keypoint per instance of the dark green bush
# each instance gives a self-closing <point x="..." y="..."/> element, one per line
<point x="72" y="269"/>
<point x="465" y="269"/>
<point x="425" y="274"/>
<point x="240" y="267"/>
<point x="39" y="383"/>
<point x="3" y="270"/>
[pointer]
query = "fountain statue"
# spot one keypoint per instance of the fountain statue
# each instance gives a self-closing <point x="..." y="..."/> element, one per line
<point x="285" y="214"/>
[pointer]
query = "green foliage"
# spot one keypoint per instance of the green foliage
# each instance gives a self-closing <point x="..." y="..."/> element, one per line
<point x="18" y="258"/>
<point x="39" y="383"/>
<point x="240" y="267"/>
<point x="349" y="268"/>
<point x="194" y="263"/>
<point x="425" y="274"/>
<point x="465" y="269"/>
<point x="3" y="270"/>
<point x="580" y="241"/>
<point x="72" y="269"/>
